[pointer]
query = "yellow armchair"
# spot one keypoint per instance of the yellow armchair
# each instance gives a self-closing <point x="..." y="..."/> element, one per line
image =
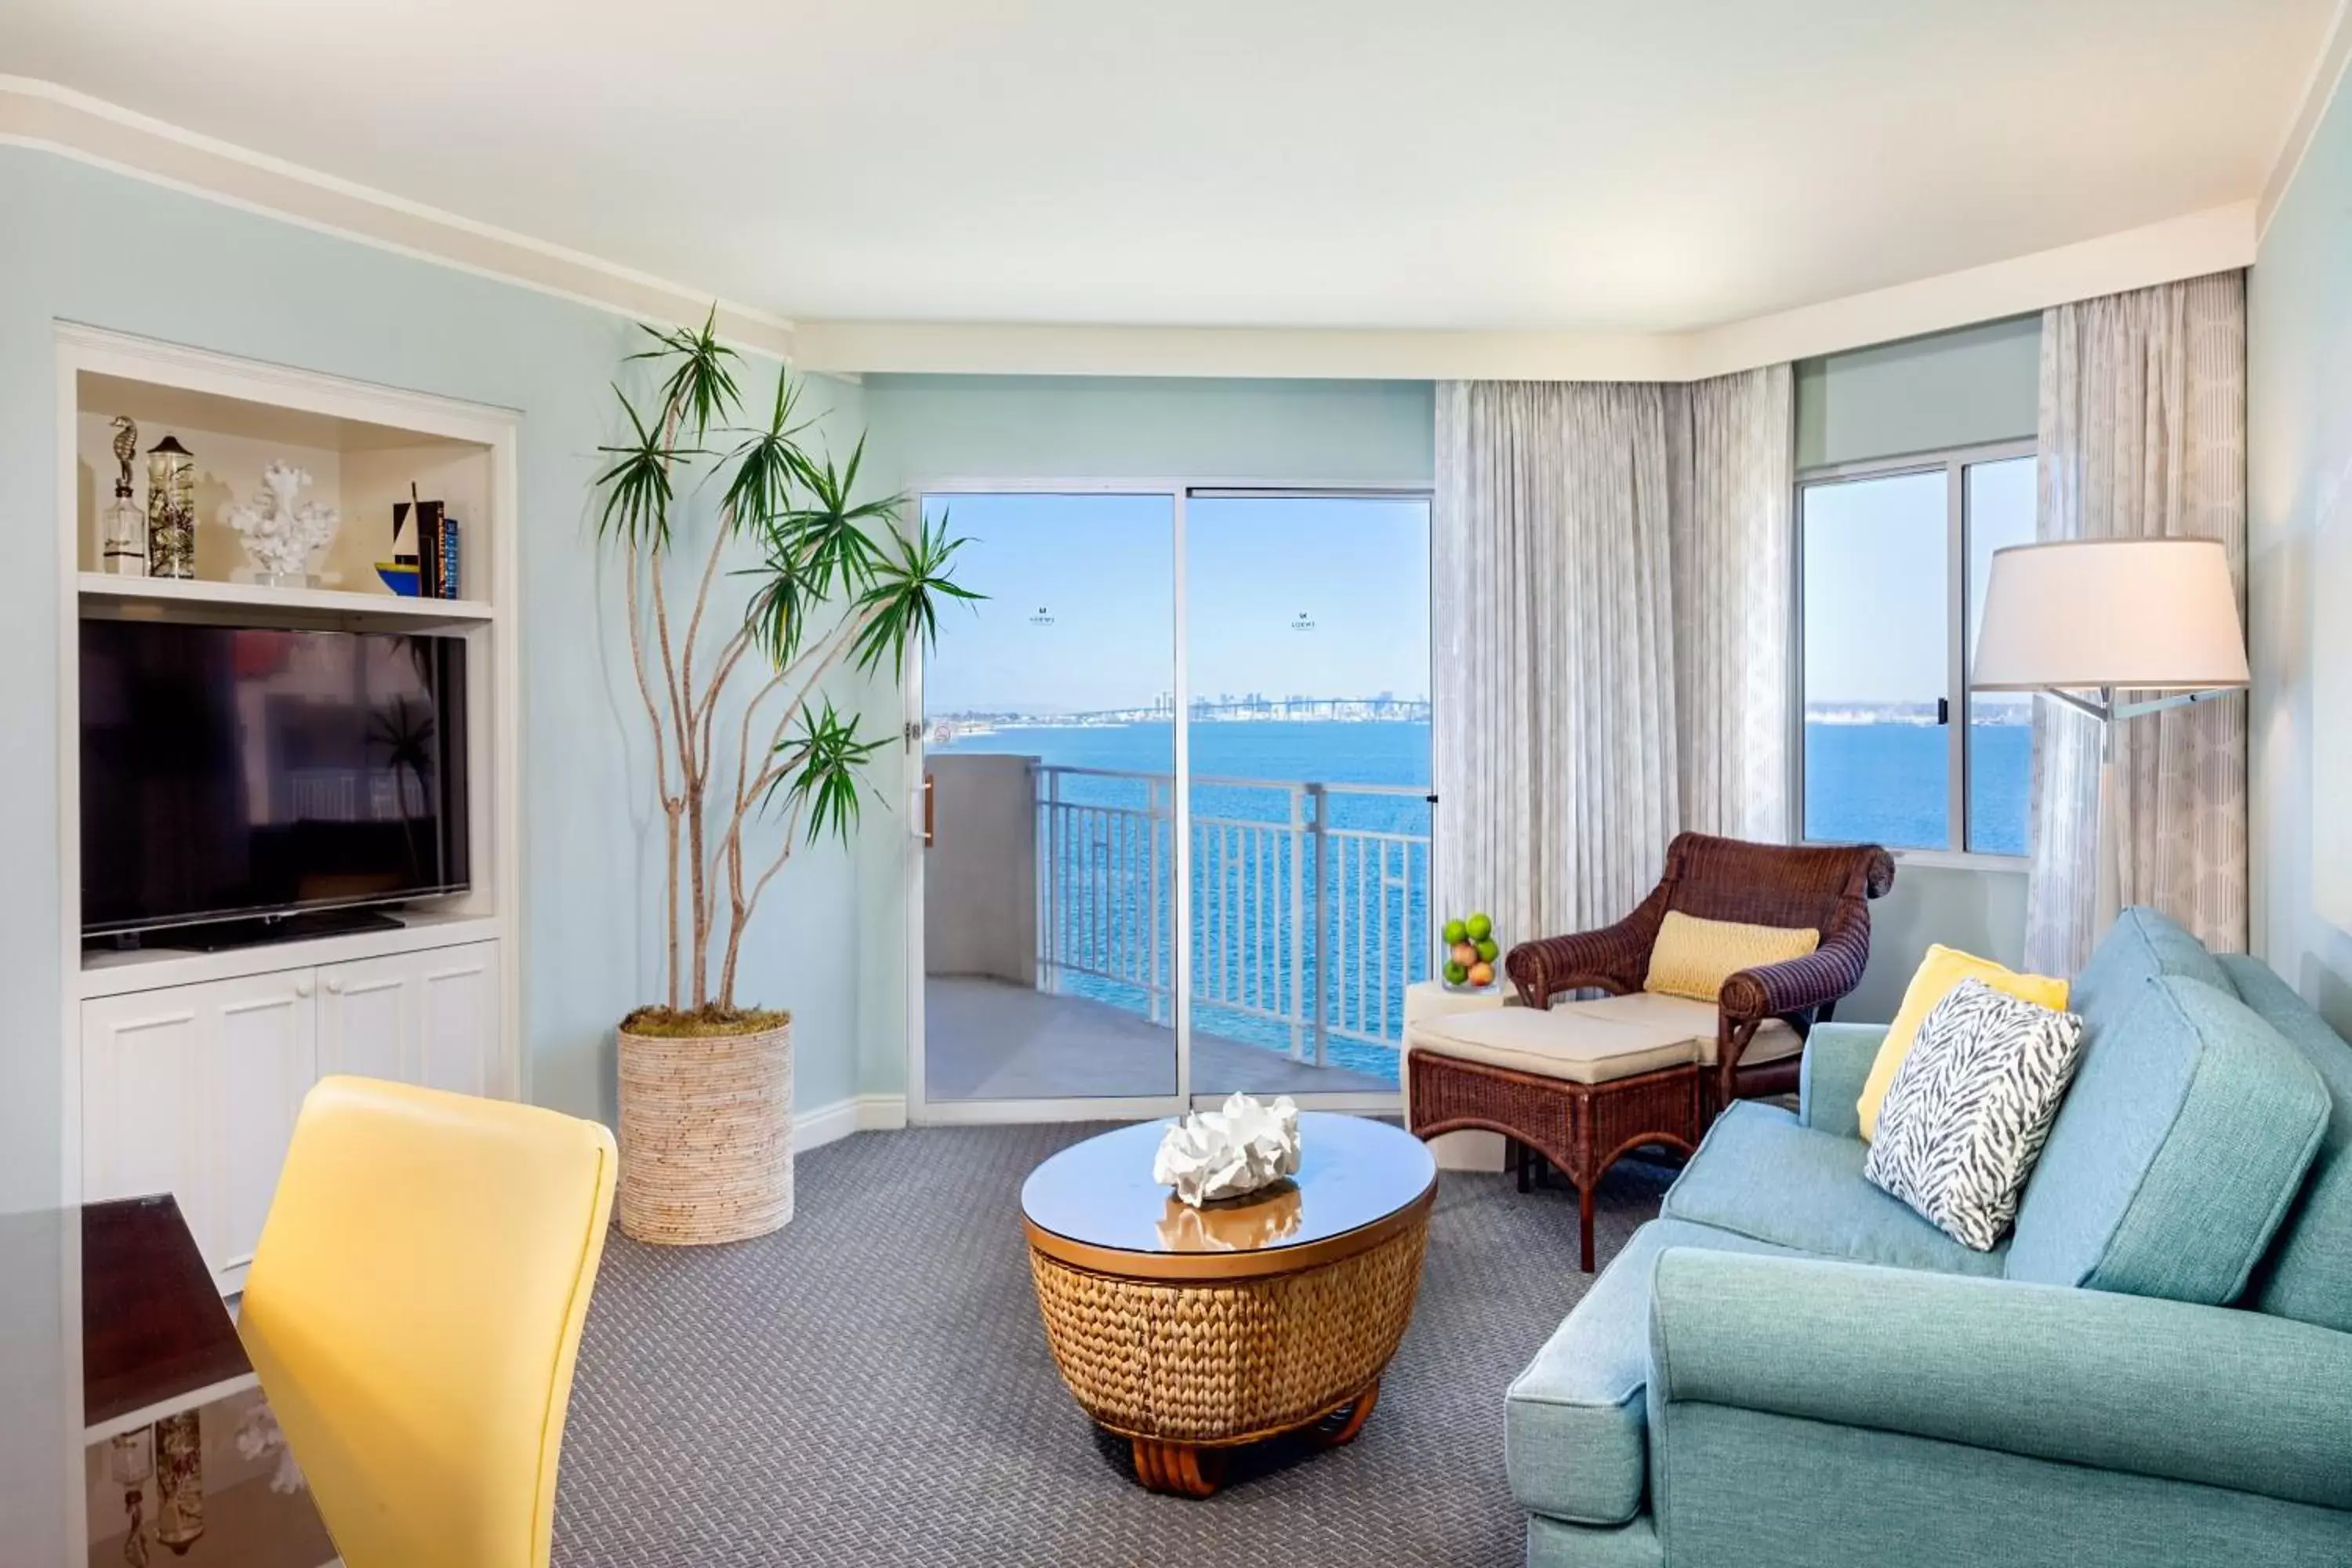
<point x="414" y="1309"/>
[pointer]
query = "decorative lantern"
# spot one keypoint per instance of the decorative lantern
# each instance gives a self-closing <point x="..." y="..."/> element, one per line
<point x="171" y="509"/>
<point x="122" y="533"/>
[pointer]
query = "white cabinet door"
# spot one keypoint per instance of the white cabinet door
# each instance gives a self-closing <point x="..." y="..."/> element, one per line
<point x="193" y="1091"/>
<point x="459" y="1037"/>
<point x="368" y="1019"/>
<point x="429" y="1018"/>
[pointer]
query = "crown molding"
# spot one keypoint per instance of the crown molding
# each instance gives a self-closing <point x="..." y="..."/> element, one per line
<point x="2215" y="240"/>
<point x="2319" y="92"/>
<point x="42" y="114"/>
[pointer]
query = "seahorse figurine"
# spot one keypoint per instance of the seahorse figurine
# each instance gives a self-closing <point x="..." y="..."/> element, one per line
<point x="126" y="450"/>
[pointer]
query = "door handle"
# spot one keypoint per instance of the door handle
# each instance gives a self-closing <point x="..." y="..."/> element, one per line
<point x="334" y="984"/>
<point x="303" y="988"/>
<point x="930" y="810"/>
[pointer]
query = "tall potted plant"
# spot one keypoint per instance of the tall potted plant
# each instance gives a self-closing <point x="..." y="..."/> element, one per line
<point x="741" y="732"/>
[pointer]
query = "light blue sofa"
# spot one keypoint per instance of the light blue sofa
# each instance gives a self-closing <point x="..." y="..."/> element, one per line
<point x="1789" y="1367"/>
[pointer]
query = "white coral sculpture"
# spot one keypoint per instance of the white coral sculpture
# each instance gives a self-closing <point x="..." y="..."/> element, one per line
<point x="1226" y="1152"/>
<point x="281" y="535"/>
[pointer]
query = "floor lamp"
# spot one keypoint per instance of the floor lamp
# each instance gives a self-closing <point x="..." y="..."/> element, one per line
<point x="2085" y="620"/>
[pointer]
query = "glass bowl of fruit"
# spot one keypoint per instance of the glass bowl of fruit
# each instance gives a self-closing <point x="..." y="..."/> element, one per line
<point x="1471" y="953"/>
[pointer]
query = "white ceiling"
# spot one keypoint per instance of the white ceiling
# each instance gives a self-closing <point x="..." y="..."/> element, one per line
<point x="1590" y="164"/>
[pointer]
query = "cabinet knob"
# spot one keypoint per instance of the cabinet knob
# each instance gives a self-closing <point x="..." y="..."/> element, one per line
<point x="335" y="985"/>
<point x="302" y="988"/>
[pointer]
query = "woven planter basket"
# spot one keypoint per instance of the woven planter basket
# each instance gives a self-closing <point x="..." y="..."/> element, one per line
<point x="706" y="1136"/>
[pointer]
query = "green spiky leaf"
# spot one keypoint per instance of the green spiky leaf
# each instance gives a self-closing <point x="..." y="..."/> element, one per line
<point x="904" y="596"/>
<point x="767" y="465"/>
<point x="825" y="762"/>
<point x="700" y="386"/>
<point x="637" y="487"/>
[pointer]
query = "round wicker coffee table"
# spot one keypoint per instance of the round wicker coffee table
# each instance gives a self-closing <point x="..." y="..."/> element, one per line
<point x="1191" y="1331"/>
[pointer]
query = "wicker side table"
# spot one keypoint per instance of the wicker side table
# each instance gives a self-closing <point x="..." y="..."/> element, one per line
<point x="1192" y="1331"/>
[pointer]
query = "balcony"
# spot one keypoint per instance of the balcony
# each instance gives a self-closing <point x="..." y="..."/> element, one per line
<point x="1049" y="918"/>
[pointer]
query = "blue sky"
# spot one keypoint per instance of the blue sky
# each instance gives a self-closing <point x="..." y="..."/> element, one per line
<point x="1876" y="605"/>
<point x="1323" y="596"/>
<point x="1330" y="596"/>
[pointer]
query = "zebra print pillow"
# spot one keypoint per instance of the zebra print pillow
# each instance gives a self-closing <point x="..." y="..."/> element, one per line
<point x="1965" y="1117"/>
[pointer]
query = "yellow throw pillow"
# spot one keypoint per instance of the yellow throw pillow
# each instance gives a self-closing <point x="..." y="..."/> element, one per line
<point x="1940" y="974"/>
<point x="1693" y="957"/>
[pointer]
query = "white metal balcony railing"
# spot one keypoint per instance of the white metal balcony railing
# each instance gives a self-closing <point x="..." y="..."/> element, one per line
<point x="1309" y="904"/>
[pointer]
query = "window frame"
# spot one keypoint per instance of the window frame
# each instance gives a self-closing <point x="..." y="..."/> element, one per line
<point x="1953" y="463"/>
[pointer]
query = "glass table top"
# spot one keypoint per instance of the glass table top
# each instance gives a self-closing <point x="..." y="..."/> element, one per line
<point x="1352" y="1171"/>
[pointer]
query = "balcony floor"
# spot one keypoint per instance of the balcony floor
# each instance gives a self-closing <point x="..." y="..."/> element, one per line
<point x="990" y="1039"/>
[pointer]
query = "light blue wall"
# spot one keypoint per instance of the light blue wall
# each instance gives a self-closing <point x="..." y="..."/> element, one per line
<point x="2299" y="418"/>
<point x="1960" y="388"/>
<point x="84" y="245"/>
<point x="1953" y="389"/>
<point x="1294" y="432"/>
<point x="959" y="427"/>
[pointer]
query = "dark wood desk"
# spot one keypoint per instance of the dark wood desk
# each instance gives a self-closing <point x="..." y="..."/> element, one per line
<point x="158" y="1345"/>
<point x="154" y="1330"/>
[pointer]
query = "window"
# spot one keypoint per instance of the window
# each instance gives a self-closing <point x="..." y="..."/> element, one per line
<point x="1893" y="559"/>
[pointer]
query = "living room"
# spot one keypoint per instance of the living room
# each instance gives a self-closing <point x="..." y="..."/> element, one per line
<point x="1103" y="787"/>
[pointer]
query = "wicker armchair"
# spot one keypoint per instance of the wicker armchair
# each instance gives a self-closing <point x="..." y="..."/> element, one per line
<point x="1825" y="887"/>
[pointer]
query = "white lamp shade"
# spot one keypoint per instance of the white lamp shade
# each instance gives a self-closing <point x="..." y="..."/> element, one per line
<point x="2138" y="615"/>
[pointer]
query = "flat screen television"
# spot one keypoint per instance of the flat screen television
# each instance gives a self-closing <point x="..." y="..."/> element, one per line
<point x="230" y="773"/>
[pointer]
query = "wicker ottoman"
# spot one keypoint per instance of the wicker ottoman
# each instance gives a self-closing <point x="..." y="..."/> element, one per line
<point x="1190" y="1332"/>
<point x="1584" y="1084"/>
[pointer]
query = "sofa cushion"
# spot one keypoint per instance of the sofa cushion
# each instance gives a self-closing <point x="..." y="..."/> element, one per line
<point x="1761" y="1174"/>
<point x="2180" y="1145"/>
<point x="2142" y="945"/>
<point x="2308" y="1274"/>
<point x="1940" y="973"/>
<point x="1575" y="1431"/>
<point x="1969" y="1110"/>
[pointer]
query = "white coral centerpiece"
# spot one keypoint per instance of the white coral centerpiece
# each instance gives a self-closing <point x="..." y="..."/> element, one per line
<point x="281" y="535"/>
<point x="1213" y="1154"/>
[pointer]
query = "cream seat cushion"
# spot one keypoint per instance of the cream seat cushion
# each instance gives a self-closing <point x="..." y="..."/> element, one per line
<point x="1599" y="1041"/>
<point x="1564" y="1043"/>
<point x="1774" y="1040"/>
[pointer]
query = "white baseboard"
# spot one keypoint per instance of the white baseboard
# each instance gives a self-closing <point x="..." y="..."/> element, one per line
<point x="858" y="1113"/>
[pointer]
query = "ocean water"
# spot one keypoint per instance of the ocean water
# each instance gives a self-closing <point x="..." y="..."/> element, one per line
<point x="1253" y="980"/>
<point x="1883" y="784"/>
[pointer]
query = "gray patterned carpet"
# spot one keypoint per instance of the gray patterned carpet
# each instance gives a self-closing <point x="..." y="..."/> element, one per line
<point x="870" y="1386"/>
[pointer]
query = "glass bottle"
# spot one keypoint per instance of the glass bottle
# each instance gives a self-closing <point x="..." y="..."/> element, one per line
<point x="171" y="509"/>
<point x="180" y="1479"/>
<point x="122" y="531"/>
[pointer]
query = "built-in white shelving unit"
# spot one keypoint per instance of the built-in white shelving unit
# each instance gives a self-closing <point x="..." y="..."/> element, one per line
<point x="184" y="1068"/>
<point x="275" y="605"/>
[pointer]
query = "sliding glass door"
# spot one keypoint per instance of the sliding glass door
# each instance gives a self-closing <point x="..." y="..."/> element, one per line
<point x="1049" y="742"/>
<point x="1307" y="645"/>
<point x="1073" y="825"/>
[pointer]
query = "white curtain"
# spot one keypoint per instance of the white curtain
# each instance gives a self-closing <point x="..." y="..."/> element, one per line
<point x="2143" y="435"/>
<point x="1611" y="619"/>
<point x="1734" y="555"/>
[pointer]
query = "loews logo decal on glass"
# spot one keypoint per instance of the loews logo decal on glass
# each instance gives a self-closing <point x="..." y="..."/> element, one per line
<point x="1305" y="623"/>
<point x="1044" y="617"/>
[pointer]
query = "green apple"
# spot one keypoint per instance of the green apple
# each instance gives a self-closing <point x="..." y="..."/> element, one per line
<point x="1480" y="928"/>
<point x="1455" y="973"/>
<point x="1487" y="949"/>
<point x="1455" y="932"/>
